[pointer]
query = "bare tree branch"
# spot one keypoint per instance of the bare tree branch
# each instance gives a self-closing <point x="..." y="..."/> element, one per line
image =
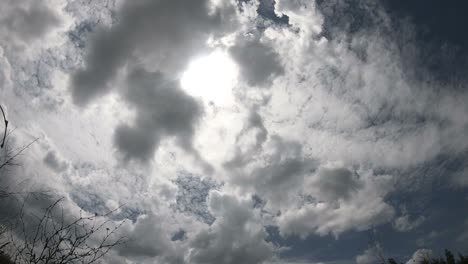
<point x="10" y="156"/>
<point x="6" y="127"/>
<point x="54" y="239"/>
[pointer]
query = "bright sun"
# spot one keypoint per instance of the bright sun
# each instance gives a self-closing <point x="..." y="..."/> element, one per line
<point x="211" y="77"/>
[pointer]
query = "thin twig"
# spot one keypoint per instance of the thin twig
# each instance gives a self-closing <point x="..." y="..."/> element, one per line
<point x="6" y="126"/>
<point x="58" y="241"/>
<point x="13" y="156"/>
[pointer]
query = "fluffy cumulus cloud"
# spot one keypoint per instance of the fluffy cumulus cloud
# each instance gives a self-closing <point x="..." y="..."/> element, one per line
<point x="328" y="126"/>
<point x="276" y="174"/>
<point x="236" y="236"/>
<point x="362" y="210"/>
<point x="336" y="183"/>
<point x="151" y="239"/>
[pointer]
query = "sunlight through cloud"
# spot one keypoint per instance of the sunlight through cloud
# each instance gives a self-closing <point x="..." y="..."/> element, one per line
<point x="211" y="78"/>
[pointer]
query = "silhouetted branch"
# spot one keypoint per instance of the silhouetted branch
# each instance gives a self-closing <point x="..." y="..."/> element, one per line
<point x="11" y="155"/>
<point x="53" y="239"/>
<point x="6" y="127"/>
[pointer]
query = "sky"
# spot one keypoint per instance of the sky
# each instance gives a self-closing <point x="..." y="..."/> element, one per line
<point x="244" y="131"/>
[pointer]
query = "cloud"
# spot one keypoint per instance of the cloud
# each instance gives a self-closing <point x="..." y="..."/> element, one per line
<point x="459" y="176"/>
<point x="244" y="146"/>
<point x="148" y="240"/>
<point x="30" y="32"/>
<point x="258" y="62"/>
<point x="302" y="16"/>
<point x="162" y="110"/>
<point x="158" y="34"/>
<point x="55" y="162"/>
<point x="154" y="41"/>
<point x="362" y="210"/>
<point x="404" y="223"/>
<point x="26" y="21"/>
<point x="276" y="173"/>
<point x="369" y="256"/>
<point x="335" y="183"/>
<point x="419" y="255"/>
<point x="345" y="92"/>
<point x="343" y="122"/>
<point x="311" y="198"/>
<point x="235" y="237"/>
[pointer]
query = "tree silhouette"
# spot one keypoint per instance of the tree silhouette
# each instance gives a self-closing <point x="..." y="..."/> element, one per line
<point x="53" y="238"/>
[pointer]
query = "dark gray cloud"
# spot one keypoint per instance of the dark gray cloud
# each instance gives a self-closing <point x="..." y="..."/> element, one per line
<point x="150" y="240"/>
<point x="277" y="169"/>
<point x="55" y="162"/>
<point x="162" y="34"/>
<point x="337" y="183"/>
<point x="26" y="20"/>
<point x="104" y="58"/>
<point x="235" y="237"/>
<point x="258" y="62"/>
<point x="158" y="36"/>
<point x="162" y="110"/>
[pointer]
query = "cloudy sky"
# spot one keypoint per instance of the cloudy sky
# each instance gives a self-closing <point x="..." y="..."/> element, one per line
<point x="245" y="131"/>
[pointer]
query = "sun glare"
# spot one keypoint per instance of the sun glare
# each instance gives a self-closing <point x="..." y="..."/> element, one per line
<point x="211" y="77"/>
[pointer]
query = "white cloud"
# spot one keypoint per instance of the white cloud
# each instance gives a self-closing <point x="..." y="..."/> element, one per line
<point x="369" y="256"/>
<point x="419" y="255"/>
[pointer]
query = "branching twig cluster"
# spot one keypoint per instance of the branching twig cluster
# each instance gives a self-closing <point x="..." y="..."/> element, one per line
<point x="53" y="239"/>
<point x="9" y="155"/>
